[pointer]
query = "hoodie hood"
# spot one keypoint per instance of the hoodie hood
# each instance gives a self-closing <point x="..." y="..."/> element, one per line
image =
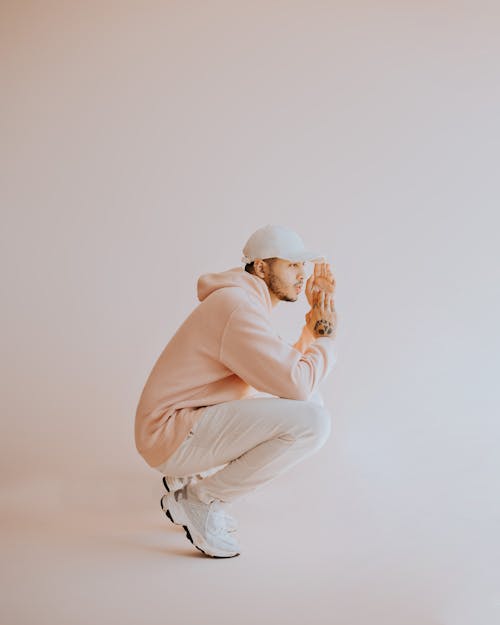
<point x="237" y="276"/>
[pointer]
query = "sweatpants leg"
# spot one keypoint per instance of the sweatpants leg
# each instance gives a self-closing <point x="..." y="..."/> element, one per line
<point x="256" y="439"/>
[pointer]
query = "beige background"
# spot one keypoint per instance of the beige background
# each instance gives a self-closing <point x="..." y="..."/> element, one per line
<point x="141" y="144"/>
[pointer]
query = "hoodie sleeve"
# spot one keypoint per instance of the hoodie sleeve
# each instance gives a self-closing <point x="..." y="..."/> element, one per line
<point x="251" y="348"/>
<point x="305" y="339"/>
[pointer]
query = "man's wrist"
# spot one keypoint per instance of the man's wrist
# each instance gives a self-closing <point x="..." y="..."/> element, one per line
<point x="309" y="332"/>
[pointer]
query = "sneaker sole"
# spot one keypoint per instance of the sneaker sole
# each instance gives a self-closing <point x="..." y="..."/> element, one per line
<point x="188" y="534"/>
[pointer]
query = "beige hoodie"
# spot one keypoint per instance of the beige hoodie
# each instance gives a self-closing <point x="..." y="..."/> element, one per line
<point x="226" y="349"/>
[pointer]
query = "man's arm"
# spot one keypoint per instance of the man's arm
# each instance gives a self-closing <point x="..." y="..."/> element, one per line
<point x="252" y="350"/>
<point x="305" y="340"/>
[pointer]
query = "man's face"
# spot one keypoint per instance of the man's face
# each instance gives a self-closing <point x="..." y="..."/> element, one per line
<point x="285" y="279"/>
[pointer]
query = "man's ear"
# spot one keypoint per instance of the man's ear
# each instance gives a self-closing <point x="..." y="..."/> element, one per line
<point x="258" y="266"/>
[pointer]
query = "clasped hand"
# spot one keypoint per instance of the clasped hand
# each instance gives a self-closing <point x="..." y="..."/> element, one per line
<point x="322" y="318"/>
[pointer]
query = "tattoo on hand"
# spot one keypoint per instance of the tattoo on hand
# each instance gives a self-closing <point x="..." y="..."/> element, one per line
<point x="323" y="327"/>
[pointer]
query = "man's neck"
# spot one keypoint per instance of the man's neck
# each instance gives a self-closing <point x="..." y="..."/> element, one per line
<point x="274" y="300"/>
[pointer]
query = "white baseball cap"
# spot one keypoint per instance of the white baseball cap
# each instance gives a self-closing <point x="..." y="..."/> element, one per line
<point x="274" y="241"/>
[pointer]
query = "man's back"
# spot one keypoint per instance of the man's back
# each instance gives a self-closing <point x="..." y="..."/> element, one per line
<point x="188" y="372"/>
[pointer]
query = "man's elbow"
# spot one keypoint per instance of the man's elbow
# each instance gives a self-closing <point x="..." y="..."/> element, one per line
<point x="299" y="393"/>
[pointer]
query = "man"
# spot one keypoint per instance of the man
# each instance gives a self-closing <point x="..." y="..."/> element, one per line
<point x="199" y="421"/>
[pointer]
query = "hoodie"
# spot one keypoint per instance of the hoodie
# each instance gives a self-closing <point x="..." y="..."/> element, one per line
<point x="224" y="350"/>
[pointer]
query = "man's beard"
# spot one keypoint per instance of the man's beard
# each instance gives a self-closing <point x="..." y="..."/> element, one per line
<point x="275" y="285"/>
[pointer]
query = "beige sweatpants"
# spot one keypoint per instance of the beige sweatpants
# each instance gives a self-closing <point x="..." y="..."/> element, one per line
<point x="253" y="439"/>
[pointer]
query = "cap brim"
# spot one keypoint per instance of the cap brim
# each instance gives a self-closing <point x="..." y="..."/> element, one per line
<point x="307" y="255"/>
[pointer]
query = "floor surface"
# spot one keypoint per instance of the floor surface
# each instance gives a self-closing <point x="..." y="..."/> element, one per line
<point x="81" y="550"/>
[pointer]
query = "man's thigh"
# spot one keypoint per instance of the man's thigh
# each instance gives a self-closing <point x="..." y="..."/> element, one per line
<point x="229" y="429"/>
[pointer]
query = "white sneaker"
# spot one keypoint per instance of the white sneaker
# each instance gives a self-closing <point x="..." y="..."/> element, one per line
<point x="207" y="526"/>
<point x="177" y="483"/>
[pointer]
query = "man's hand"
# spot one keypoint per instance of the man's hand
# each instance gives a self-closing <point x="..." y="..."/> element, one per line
<point x="322" y="318"/>
<point x="320" y="280"/>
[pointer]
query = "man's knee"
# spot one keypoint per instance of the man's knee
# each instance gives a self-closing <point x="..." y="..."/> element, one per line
<point x="318" y="423"/>
<point x="317" y="398"/>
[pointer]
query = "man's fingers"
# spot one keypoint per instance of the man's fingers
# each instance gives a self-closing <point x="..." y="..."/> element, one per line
<point x="329" y="302"/>
<point x="329" y="275"/>
<point x="309" y="283"/>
